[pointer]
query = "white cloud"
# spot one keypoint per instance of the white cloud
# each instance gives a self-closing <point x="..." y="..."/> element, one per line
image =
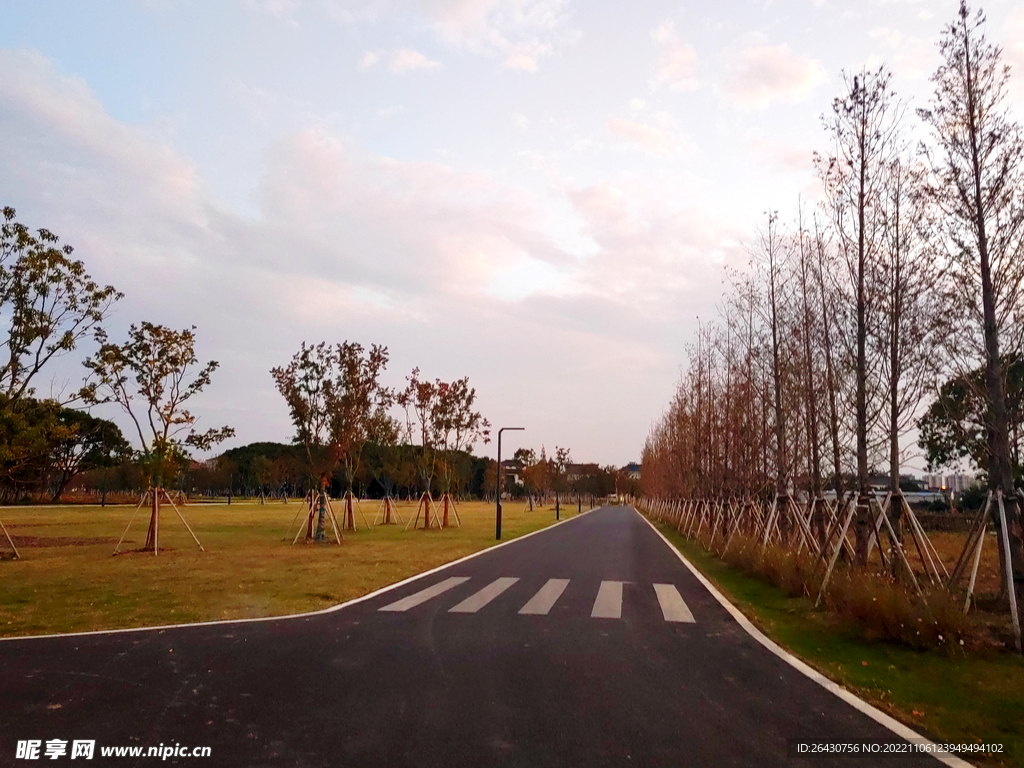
<point x="912" y="57"/>
<point x="522" y="32"/>
<point x="656" y="256"/>
<point x="407" y="60"/>
<point x="399" y="61"/>
<point x="369" y="59"/>
<point x="890" y="37"/>
<point x="761" y="75"/>
<point x="781" y="156"/>
<point x="283" y="10"/>
<point x="635" y="105"/>
<point x="652" y="139"/>
<point x="1013" y="48"/>
<point x="677" y="61"/>
<point x="349" y="244"/>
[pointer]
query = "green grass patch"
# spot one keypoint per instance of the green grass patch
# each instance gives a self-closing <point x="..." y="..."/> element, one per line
<point x="952" y="696"/>
<point x="67" y="580"/>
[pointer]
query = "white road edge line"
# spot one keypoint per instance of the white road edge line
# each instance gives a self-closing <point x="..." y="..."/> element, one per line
<point x="307" y="614"/>
<point x="854" y="701"/>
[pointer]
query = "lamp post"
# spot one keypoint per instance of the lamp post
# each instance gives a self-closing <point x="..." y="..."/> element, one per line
<point x="497" y="485"/>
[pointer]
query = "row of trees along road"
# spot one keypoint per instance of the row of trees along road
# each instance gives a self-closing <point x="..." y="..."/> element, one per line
<point x="338" y="403"/>
<point x="850" y="315"/>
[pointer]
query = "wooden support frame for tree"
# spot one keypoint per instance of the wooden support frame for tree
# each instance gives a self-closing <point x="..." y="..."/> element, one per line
<point x="1011" y="590"/>
<point x="446" y="500"/>
<point x="386" y="510"/>
<point x="351" y="505"/>
<point x="975" y="542"/>
<point x="425" y="507"/>
<point x="312" y="509"/>
<point x="925" y="549"/>
<point x="153" y="497"/>
<point x="10" y="540"/>
<point x="881" y="517"/>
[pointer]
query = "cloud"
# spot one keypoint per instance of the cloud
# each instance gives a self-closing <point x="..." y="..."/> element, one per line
<point x="656" y="255"/>
<point x="652" y="139"/>
<point x="635" y="105"/>
<point x="348" y="244"/>
<point x="399" y="61"/>
<point x="677" y="61"/>
<point x="369" y="59"/>
<point x="1013" y="47"/>
<point x="912" y="57"/>
<point x="783" y="157"/>
<point x="283" y="10"/>
<point x="761" y="75"/>
<point x="521" y="32"/>
<point x="406" y="60"/>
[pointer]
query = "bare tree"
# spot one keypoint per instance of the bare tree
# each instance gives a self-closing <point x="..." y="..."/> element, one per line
<point x="978" y="185"/>
<point x="863" y="127"/>
<point x="908" y="274"/>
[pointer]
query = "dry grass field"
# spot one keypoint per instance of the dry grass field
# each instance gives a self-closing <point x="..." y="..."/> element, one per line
<point x="67" y="580"/>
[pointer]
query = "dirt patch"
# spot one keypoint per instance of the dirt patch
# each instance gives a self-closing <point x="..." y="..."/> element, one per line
<point x="59" y="541"/>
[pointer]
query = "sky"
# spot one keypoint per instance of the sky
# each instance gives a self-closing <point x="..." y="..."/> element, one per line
<point x="541" y="195"/>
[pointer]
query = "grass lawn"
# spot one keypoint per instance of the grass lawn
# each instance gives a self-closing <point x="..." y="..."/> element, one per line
<point x="67" y="580"/>
<point x="955" y="699"/>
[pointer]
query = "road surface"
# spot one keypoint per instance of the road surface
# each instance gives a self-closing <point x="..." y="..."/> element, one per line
<point x="587" y="644"/>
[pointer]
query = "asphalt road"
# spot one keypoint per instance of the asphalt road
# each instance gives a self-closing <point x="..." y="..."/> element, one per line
<point x="560" y="651"/>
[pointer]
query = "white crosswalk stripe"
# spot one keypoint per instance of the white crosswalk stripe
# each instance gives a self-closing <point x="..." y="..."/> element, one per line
<point x="673" y="607"/>
<point x="425" y="594"/>
<point x="475" y="602"/>
<point x="608" y="604"/>
<point x="548" y="595"/>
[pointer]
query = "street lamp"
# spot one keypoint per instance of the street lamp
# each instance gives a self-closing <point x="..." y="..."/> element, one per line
<point x="497" y="488"/>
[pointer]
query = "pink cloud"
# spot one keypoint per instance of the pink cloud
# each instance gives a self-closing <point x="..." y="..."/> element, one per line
<point x="677" y="61"/>
<point x="651" y="139"/>
<point x="761" y="75"/>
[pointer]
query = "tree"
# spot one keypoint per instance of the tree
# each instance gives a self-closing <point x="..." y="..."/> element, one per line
<point x="152" y="377"/>
<point x="977" y="183"/>
<point x="559" y="466"/>
<point x="863" y="125"/>
<point x="48" y="304"/>
<point x="332" y="393"/>
<point x="90" y="443"/>
<point x="29" y="429"/>
<point x="419" y="401"/>
<point x="458" y="429"/>
<point x="907" y="272"/>
<point x="954" y="426"/>
<point x="47" y="301"/>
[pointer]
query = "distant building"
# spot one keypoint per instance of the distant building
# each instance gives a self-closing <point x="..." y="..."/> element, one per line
<point x="577" y="472"/>
<point x="953" y="483"/>
<point x="633" y="470"/>
<point x="512" y="471"/>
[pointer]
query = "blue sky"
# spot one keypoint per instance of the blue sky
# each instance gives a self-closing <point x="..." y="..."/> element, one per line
<point x="539" y="194"/>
